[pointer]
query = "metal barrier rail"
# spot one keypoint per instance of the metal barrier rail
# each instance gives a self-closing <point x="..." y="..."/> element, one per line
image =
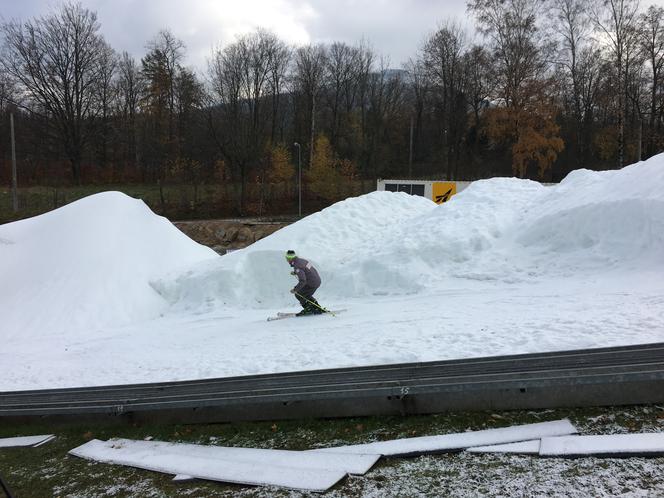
<point x="588" y="377"/>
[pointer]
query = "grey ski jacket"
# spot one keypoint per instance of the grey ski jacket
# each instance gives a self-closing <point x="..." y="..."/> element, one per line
<point x="306" y="274"/>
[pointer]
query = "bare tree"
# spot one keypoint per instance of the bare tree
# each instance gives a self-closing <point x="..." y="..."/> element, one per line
<point x="420" y="86"/>
<point x="340" y="71"/>
<point x="442" y="54"/>
<point x="7" y="90"/>
<point x="56" y="60"/>
<point x="479" y="79"/>
<point x="616" y="21"/>
<point x="189" y="97"/>
<point x="226" y="114"/>
<point x="267" y="64"/>
<point x="242" y="76"/>
<point x="280" y="57"/>
<point x="365" y="66"/>
<point x="106" y="94"/>
<point x="590" y="79"/>
<point x="386" y="98"/>
<point x="130" y="87"/>
<point x="255" y="53"/>
<point x="525" y="116"/>
<point x="570" y="20"/>
<point x="160" y="66"/>
<point x="310" y="63"/>
<point x="518" y="49"/>
<point x="652" y="43"/>
<point x="478" y="88"/>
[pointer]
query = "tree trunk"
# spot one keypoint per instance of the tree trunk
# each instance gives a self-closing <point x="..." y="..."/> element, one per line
<point x="313" y="127"/>
<point x="75" y="161"/>
<point x="162" y="200"/>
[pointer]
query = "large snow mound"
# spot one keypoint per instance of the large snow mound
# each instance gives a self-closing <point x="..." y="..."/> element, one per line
<point x="88" y="264"/>
<point x="502" y="229"/>
<point x="605" y="219"/>
<point x="107" y="260"/>
<point x="336" y="239"/>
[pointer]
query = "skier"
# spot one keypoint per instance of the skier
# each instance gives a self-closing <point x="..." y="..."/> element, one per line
<point x="308" y="282"/>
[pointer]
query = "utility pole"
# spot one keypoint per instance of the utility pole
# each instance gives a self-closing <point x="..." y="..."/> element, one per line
<point x="14" y="181"/>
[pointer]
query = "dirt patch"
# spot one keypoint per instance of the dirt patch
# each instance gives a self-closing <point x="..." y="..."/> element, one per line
<point x="224" y="235"/>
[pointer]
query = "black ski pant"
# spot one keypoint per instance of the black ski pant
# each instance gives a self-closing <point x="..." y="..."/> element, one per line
<point x="306" y="297"/>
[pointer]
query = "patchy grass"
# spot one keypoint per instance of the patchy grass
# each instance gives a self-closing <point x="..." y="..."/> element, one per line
<point x="47" y="471"/>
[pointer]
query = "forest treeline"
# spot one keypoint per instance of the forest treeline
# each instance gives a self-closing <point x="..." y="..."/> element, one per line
<point x="541" y="88"/>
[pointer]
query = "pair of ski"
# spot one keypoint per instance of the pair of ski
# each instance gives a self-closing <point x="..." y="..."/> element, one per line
<point x="282" y="316"/>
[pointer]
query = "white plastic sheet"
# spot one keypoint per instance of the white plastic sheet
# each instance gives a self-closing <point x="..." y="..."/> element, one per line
<point x="11" y="442"/>
<point x="606" y="445"/>
<point x="459" y="441"/>
<point x="291" y="469"/>
<point x="522" y="448"/>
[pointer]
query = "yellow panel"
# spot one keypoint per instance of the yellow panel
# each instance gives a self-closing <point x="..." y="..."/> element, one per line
<point x="442" y="191"/>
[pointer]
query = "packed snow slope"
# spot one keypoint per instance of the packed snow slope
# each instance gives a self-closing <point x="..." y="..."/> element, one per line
<point x="503" y="229"/>
<point x="88" y="265"/>
<point x="103" y="291"/>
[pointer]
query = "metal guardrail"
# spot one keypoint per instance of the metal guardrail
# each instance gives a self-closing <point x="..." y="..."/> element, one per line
<point x="588" y="377"/>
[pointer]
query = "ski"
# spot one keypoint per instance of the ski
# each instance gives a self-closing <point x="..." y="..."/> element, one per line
<point x="281" y="316"/>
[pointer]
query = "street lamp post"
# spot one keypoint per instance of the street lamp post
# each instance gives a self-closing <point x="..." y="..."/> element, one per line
<point x="299" y="180"/>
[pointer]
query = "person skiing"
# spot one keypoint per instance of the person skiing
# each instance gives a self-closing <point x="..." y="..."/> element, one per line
<point x="308" y="283"/>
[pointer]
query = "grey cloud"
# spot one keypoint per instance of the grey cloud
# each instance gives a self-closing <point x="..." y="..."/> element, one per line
<point x="394" y="28"/>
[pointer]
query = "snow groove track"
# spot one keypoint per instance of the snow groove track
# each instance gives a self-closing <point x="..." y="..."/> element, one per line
<point x="589" y="377"/>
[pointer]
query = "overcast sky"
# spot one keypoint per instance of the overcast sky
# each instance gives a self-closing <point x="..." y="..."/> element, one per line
<point x="395" y="28"/>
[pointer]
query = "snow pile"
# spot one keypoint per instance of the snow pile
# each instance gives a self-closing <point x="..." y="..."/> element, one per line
<point x="337" y="240"/>
<point x="469" y="237"/>
<point x="503" y="229"/>
<point x="511" y="230"/>
<point x="491" y="272"/>
<point x="601" y="219"/>
<point x="107" y="260"/>
<point x="86" y="265"/>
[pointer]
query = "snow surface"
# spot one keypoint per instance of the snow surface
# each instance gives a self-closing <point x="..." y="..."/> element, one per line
<point x="102" y="291"/>
<point x="291" y="469"/>
<point x="87" y="265"/>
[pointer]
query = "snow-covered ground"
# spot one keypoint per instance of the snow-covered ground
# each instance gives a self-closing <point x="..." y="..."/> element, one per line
<point x="103" y="291"/>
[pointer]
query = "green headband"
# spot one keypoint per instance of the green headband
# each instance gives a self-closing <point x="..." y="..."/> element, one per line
<point x="290" y="256"/>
